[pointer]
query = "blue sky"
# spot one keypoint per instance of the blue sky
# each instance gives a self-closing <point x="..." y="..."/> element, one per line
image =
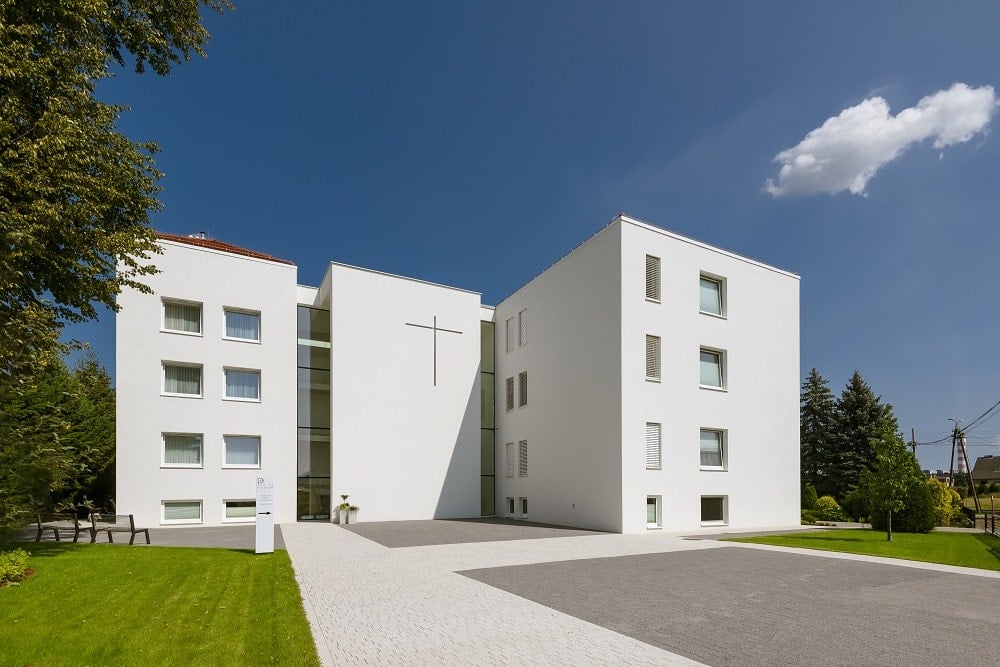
<point x="473" y="144"/>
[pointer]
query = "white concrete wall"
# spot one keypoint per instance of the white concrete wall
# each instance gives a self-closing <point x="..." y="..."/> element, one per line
<point x="216" y="280"/>
<point x="403" y="448"/>
<point x="573" y="418"/>
<point x="758" y="409"/>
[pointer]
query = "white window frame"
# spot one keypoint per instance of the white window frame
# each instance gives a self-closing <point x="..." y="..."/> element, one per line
<point x="657" y="289"/>
<point x="166" y="521"/>
<point x="522" y="506"/>
<point x="510" y="334"/>
<point x="725" y="511"/>
<point x="225" y="384"/>
<point x="180" y="364"/>
<point x="242" y="519"/>
<point x="188" y="466"/>
<point x="723" y="449"/>
<point x="522" y="389"/>
<point x="658" y="523"/>
<point x="522" y="458"/>
<point x="723" y="375"/>
<point x="225" y="446"/>
<point x="242" y="311"/>
<point x="657" y="428"/>
<point x="657" y="343"/>
<point x="182" y="302"/>
<point x="511" y="507"/>
<point x="511" y="460"/>
<point x="721" y="282"/>
<point x="522" y="327"/>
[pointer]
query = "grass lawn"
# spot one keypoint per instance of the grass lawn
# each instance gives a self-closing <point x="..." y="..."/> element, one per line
<point x="965" y="549"/>
<point x="90" y="604"/>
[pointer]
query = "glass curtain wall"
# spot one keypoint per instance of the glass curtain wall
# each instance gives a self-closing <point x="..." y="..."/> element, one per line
<point x="487" y="457"/>
<point x="313" y="414"/>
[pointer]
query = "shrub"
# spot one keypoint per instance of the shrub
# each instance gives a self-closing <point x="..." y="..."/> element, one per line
<point x="918" y="514"/>
<point x="13" y="565"/>
<point x="947" y="504"/>
<point x="856" y="506"/>
<point x="808" y="517"/>
<point x="827" y="509"/>
<point x="809" y="497"/>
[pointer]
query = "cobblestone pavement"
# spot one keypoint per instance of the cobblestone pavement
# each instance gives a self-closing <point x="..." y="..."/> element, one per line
<point x="649" y="599"/>
<point x="458" y="531"/>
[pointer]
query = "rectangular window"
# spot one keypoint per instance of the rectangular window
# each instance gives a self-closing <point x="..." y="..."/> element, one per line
<point x="652" y="357"/>
<point x="510" y="394"/>
<point x="711" y="299"/>
<point x="242" y="451"/>
<point x="652" y="512"/>
<point x="510" y="459"/>
<point x="181" y="511"/>
<point x="712" y="449"/>
<point x="181" y="380"/>
<point x="510" y="506"/>
<point x="713" y="510"/>
<point x="182" y="317"/>
<point x="524" y="508"/>
<point x="240" y="510"/>
<point x="522" y="458"/>
<point x="182" y="450"/>
<point x="242" y="385"/>
<point x="652" y="446"/>
<point x="522" y="394"/>
<point x="712" y="371"/>
<point x="242" y="325"/>
<point x="652" y="278"/>
<point x="510" y="334"/>
<point x="522" y="327"/>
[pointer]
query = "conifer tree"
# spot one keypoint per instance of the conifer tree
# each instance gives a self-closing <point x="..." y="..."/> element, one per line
<point x="818" y="422"/>
<point x="861" y="419"/>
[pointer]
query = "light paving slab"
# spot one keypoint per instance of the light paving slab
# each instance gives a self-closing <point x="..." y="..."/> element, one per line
<point x="368" y="604"/>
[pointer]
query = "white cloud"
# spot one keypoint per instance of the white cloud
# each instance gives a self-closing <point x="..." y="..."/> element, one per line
<point x="849" y="148"/>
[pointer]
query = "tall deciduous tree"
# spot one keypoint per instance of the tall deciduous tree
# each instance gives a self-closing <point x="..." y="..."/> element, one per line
<point x="75" y="195"/>
<point x="817" y="424"/>
<point x="894" y="474"/>
<point x="862" y="419"/>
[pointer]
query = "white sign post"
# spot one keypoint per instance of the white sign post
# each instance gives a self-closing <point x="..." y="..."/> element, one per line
<point x="265" y="515"/>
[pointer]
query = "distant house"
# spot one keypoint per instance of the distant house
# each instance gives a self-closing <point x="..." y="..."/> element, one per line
<point x="987" y="469"/>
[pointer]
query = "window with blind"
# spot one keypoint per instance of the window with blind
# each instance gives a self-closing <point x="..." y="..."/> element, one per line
<point x="510" y="394"/>
<point x="182" y="317"/>
<point x="182" y="450"/>
<point x="712" y="372"/>
<point x="522" y="458"/>
<point x="181" y="511"/>
<point x="242" y="451"/>
<point x="522" y="327"/>
<point x="712" y="450"/>
<point x="242" y="325"/>
<point x="652" y="446"/>
<point x="242" y="385"/>
<point x="240" y="511"/>
<point x="181" y="379"/>
<point x="522" y="394"/>
<point x="652" y="357"/>
<point x="511" y="333"/>
<point x="511" y="457"/>
<point x="652" y="278"/>
<point x="711" y="299"/>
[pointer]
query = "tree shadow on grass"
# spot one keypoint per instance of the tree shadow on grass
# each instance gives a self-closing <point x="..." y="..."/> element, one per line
<point x="41" y="549"/>
<point x="992" y="544"/>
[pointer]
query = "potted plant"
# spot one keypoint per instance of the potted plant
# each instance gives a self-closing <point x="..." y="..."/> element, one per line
<point x="347" y="510"/>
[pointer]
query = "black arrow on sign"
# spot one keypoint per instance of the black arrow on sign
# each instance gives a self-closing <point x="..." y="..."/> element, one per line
<point x="259" y="513"/>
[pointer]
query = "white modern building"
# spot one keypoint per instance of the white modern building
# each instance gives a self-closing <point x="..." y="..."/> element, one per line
<point x="664" y="390"/>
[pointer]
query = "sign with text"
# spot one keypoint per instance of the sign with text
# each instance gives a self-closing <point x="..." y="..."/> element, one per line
<point x="265" y="515"/>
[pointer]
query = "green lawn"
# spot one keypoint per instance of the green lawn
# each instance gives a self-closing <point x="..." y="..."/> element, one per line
<point x="108" y="605"/>
<point x="965" y="549"/>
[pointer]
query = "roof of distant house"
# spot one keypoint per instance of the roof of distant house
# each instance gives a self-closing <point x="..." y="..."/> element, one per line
<point x="987" y="467"/>
<point x="211" y="244"/>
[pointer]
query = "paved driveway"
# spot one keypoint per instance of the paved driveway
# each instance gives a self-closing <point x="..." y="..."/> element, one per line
<point x="395" y="534"/>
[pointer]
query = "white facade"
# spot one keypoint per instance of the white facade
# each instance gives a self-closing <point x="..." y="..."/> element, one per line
<point x="411" y="403"/>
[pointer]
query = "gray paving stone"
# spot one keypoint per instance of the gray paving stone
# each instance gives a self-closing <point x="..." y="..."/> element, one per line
<point x="397" y="534"/>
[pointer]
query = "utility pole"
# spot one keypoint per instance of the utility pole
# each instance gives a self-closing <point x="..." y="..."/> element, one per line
<point x="954" y="443"/>
<point x="968" y="468"/>
<point x="913" y="441"/>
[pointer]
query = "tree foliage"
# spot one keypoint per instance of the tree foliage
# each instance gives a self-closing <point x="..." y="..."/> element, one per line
<point x="817" y="431"/>
<point x="894" y="486"/>
<point x="947" y="504"/>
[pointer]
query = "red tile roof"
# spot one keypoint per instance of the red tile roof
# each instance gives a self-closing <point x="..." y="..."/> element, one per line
<point x="212" y="244"/>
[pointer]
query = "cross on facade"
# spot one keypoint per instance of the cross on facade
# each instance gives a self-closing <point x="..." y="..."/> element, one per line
<point x="435" y="328"/>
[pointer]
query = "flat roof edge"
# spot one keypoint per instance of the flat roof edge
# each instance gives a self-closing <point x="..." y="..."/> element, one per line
<point x="399" y="277"/>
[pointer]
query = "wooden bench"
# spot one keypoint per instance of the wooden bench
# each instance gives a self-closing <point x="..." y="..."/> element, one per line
<point x="67" y="522"/>
<point x="120" y="527"/>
